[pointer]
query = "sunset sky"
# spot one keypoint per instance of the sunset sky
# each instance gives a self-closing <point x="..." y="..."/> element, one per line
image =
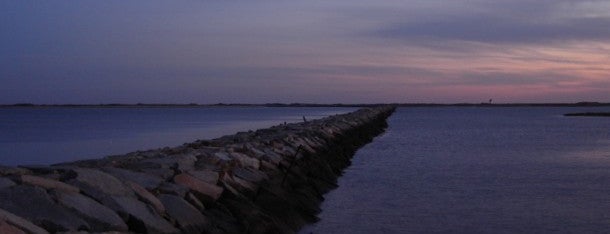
<point x="352" y="51"/>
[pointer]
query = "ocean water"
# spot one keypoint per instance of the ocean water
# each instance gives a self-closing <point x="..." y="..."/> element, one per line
<point x="39" y="136"/>
<point x="477" y="170"/>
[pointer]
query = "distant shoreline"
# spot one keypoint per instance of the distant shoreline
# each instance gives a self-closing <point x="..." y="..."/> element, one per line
<point x="195" y="105"/>
<point x="589" y="114"/>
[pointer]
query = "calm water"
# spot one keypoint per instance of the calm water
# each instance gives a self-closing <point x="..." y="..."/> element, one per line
<point x="52" y="135"/>
<point x="477" y="170"/>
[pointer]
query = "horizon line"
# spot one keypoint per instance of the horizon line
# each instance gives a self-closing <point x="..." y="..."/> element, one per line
<point x="301" y="104"/>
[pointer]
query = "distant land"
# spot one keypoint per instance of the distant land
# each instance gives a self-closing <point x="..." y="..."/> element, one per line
<point x="592" y="114"/>
<point x="110" y="105"/>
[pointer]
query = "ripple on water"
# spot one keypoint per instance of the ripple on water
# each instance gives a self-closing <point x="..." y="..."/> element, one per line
<point x="477" y="170"/>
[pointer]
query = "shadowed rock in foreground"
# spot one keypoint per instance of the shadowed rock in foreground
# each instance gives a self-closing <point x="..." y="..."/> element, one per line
<point x="593" y="114"/>
<point x="265" y="181"/>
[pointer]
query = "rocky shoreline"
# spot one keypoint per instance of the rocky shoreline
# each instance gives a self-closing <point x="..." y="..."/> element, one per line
<point x="265" y="181"/>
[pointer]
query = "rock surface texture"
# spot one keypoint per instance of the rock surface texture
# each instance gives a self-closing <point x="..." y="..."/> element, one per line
<point x="265" y="181"/>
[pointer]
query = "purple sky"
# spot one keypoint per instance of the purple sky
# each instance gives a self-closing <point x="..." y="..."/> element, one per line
<point x="351" y="51"/>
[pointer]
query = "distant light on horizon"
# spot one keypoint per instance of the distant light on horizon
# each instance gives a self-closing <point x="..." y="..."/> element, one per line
<point x="358" y="51"/>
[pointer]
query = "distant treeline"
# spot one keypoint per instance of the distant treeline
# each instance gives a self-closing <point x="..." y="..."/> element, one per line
<point x="309" y="105"/>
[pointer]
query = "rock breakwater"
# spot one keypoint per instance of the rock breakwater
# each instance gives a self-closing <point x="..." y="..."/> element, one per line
<point x="265" y="181"/>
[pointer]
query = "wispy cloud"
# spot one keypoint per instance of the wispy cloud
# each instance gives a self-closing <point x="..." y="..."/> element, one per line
<point x="491" y="29"/>
<point x="500" y="21"/>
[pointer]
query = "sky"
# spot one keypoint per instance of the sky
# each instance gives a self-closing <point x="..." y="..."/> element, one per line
<point x="315" y="51"/>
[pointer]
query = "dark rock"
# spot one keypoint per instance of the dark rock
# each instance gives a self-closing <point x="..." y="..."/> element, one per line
<point x="204" y="190"/>
<point x="140" y="217"/>
<point x="171" y="188"/>
<point x="272" y="157"/>
<point x="185" y="162"/>
<point x="147" y="197"/>
<point x="4" y="170"/>
<point x="6" y="228"/>
<point x="21" y="223"/>
<point x="44" y="169"/>
<point x="5" y="183"/>
<point x="141" y="165"/>
<point x="222" y="157"/>
<point x="187" y="216"/>
<point x="47" y="183"/>
<point x="194" y="201"/>
<point x="164" y="173"/>
<point x="241" y="185"/>
<point x="246" y="160"/>
<point x="253" y="219"/>
<point x="288" y="150"/>
<point x="100" y="218"/>
<point x="250" y="175"/>
<point x="205" y="175"/>
<point x="37" y="206"/>
<point x="180" y="162"/>
<point x="229" y="188"/>
<point x="145" y="180"/>
<point x="267" y="166"/>
<point x="223" y="221"/>
<point x="209" y="162"/>
<point x="98" y="184"/>
<point x="257" y="153"/>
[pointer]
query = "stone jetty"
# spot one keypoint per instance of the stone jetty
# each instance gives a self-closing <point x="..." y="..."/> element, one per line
<point x="265" y="181"/>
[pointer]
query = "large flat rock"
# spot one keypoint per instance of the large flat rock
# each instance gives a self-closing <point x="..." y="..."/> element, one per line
<point x="6" y="182"/>
<point x="146" y="196"/>
<point x="36" y="205"/>
<point x="21" y="223"/>
<point x="176" y="189"/>
<point x="47" y="183"/>
<point x="100" y="218"/>
<point x="98" y="184"/>
<point x="205" y="175"/>
<point x="140" y="217"/>
<point x="242" y="185"/>
<point x="147" y="181"/>
<point x="206" y="191"/>
<point x="7" y="228"/>
<point x="246" y="160"/>
<point x="187" y="216"/>
<point x="254" y="176"/>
